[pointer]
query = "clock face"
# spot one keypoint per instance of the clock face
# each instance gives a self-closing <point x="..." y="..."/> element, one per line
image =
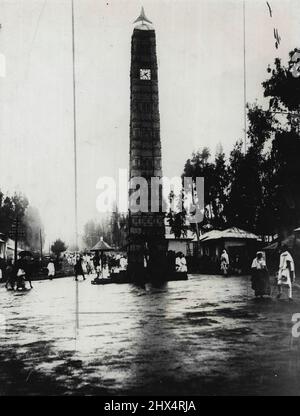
<point x="145" y="74"/>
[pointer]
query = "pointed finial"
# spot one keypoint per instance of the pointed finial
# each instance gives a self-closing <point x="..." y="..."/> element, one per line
<point x="142" y="17"/>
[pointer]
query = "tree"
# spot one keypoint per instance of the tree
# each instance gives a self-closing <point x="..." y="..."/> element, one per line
<point x="216" y="181"/>
<point x="176" y="218"/>
<point x="248" y="172"/>
<point x="58" y="247"/>
<point x="283" y="86"/>
<point x="283" y="201"/>
<point x="258" y="190"/>
<point x="112" y="228"/>
<point x="94" y="230"/>
<point x="219" y="185"/>
<point x="90" y="236"/>
<point x="34" y="229"/>
<point x="118" y="228"/>
<point x="17" y="207"/>
<point x="264" y="195"/>
<point x="11" y="208"/>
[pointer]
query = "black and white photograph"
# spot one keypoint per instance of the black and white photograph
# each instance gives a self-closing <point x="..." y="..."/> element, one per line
<point x="149" y="200"/>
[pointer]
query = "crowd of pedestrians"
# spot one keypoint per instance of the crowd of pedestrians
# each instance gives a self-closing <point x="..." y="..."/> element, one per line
<point x="260" y="277"/>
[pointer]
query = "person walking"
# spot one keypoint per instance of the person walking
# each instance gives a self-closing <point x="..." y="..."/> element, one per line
<point x="28" y="270"/>
<point x="88" y="264"/>
<point x="286" y="273"/>
<point x="224" y="262"/>
<point x="96" y="262"/>
<point x="78" y="268"/>
<point x="51" y="269"/>
<point x="20" y="267"/>
<point x="260" y="276"/>
<point x="10" y="275"/>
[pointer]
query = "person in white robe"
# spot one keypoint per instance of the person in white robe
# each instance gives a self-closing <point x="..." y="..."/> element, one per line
<point x="51" y="269"/>
<point x="224" y="262"/>
<point x="286" y="273"/>
<point x="123" y="263"/>
<point x="183" y="265"/>
<point x="260" y="280"/>
<point x="180" y="263"/>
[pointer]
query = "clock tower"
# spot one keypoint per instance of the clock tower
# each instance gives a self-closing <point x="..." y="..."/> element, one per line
<point x="146" y="237"/>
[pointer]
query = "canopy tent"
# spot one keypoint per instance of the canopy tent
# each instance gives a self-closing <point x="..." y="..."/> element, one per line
<point x="102" y="246"/>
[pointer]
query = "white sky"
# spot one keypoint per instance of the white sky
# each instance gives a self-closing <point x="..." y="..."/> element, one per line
<point x="200" y="55"/>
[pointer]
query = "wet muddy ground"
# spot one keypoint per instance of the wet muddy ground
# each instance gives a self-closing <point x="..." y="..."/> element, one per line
<point x="203" y="336"/>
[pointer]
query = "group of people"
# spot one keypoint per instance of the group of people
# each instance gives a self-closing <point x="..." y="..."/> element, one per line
<point x="235" y="266"/>
<point x="180" y="263"/>
<point x="285" y="276"/>
<point x="102" y="265"/>
<point x="17" y="274"/>
<point x="260" y="279"/>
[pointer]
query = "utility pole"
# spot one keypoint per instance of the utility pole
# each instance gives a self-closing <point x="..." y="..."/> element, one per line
<point x="16" y="238"/>
<point x="74" y="127"/>
<point x="75" y="165"/>
<point x="41" y="247"/>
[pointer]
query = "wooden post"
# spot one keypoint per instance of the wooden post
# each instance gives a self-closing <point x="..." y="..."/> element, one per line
<point x="41" y="247"/>
<point x="16" y="239"/>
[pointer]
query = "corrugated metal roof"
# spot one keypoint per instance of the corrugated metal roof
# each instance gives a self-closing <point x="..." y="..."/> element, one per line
<point x="233" y="232"/>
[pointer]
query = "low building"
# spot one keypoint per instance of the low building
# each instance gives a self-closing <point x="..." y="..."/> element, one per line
<point x="2" y="246"/>
<point x="273" y="251"/>
<point x="183" y="244"/>
<point x="240" y="245"/>
<point x="7" y="247"/>
<point x="10" y="248"/>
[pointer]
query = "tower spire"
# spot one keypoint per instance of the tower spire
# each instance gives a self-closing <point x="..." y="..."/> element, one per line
<point x="142" y="17"/>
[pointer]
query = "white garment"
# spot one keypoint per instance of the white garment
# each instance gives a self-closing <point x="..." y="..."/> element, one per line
<point x="225" y="258"/>
<point x="51" y="269"/>
<point x="123" y="263"/>
<point x="224" y="263"/>
<point x="145" y="262"/>
<point x="178" y="263"/>
<point x="181" y="264"/>
<point x="258" y="264"/>
<point x="286" y="266"/>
